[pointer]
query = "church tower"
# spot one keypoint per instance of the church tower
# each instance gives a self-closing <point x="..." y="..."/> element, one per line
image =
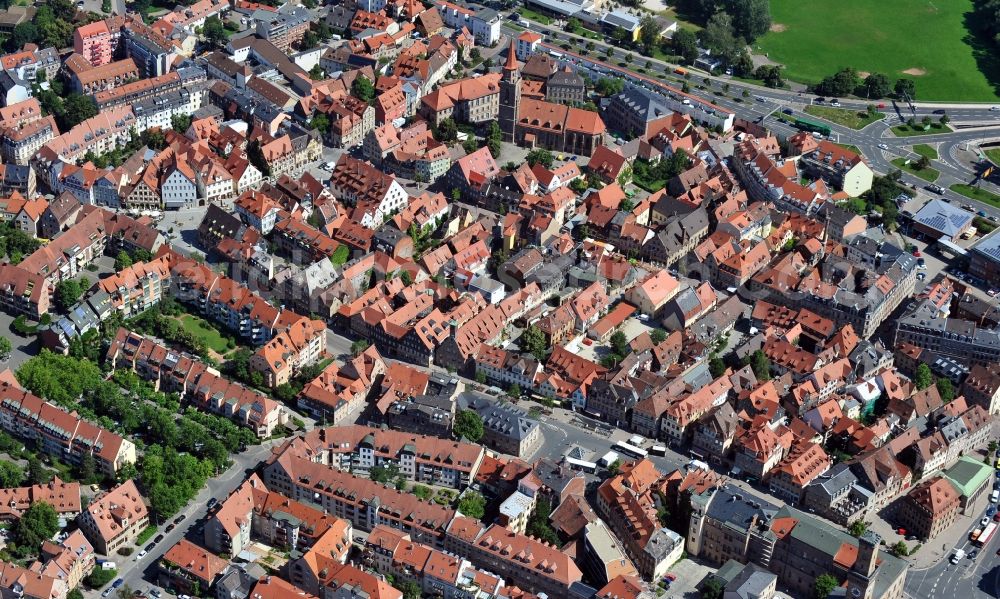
<point x="861" y="576"/>
<point x="510" y="94"/>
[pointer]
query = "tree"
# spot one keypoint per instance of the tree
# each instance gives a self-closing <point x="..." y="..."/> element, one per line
<point x="751" y="18"/>
<point x="214" y="32"/>
<point x="944" y="120"/>
<point x="614" y="467"/>
<point x="923" y="378"/>
<point x="363" y="89"/>
<point x="533" y="342"/>
<point x="122" y="260"/>
<point x="606" y="86"/>
<point x="469" y="425"/>
<point x="24" y="33"/>
<point x="447" y="131"/>
<point x="877" y="86"/>
<point x="770" y="75"/>
<point x="76" y="593"/>
<point x="37" y="474"/>
<point x="76" y="109"/>
<point x="5" y="348"/>
<point x="480" y="377"/>
<point x="494" y="139"/>
<point x="38" y="523"/>
<point x="67" y="292"/>
<point x="410" y="590"/>
<point x="649" y="33"/>
<point x="572" y="25"/>
<point x="619" y="344"/>
<point x="842" y="83"/>
<point x="824" y="585"/>
<point x="472" y="505"/>
<point x="685" y="45"/>
<point x="540" y="156"/>
<point x="359" y="347"/>
<point x="720" y="37"/>
<point x="742" y="67"/>
<point x="946" y="389"/>
<point x="514" y="391"/>
<point x="761" y="365"/>
<point x="87" y="470"/>
<point x="857" y="528"/>
<point x="922" y="163"/>
<point x="905" y="89"/>
<point x="712" y="589"/>
<point x="11" y="475"/>
<point x="320" y="122"/>
<point x="406" y="278"/>
<point x="926" y="121"/>
<point x="657" y="336"/>
<point x="716" y="367"/>
<point x="899" y="549"/>
<point x="538" y="523"/>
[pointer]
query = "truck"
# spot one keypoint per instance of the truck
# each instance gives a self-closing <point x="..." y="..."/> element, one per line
<point x="607" y="459"/>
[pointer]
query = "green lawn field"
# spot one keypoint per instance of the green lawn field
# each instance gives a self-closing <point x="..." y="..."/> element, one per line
<point x="816" y="38"/>
<point x="209" y="334"/>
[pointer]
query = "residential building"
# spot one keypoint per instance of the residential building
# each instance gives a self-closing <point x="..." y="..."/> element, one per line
<point x="62" y="433"/>
<point x="930" y="508"/>
<point x="188" y="568"/>
<point x="509" y="430"/>
<point x="419" y="458"/>
<point x="732" y="523"/>
<point x="114" y="519"/>
<point x="301" y="344"/>
<point x="62" y="496"/>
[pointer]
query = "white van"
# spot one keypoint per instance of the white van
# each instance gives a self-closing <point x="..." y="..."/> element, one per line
<point x="957" y="556"/>
<point x="994" y="496"/>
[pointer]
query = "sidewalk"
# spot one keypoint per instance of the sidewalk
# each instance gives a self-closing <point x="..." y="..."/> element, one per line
<point x="933" y="551"/>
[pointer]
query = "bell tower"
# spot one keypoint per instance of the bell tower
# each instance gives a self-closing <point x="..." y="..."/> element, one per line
<point x="859" y="579"/>
<point x="510" y="95"/>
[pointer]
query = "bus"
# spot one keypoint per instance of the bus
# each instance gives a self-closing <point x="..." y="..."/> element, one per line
<point x="988" y="533"/>
<point x="631" y="450"/>
<point x="809" y="125"/>
<point x="575" y="464"/>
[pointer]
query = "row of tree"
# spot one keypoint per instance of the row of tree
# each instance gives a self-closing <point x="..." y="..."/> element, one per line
<point x="848" y="81"/>
<point x="180" y="450"/>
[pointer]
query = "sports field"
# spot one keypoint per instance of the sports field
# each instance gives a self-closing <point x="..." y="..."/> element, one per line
<point x="925" y="40"/>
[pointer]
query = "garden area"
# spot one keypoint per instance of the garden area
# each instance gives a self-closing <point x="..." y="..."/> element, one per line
<point x="929" y="43"/>
<point x="917" y="169"/>
<point x="855" y="119"/>
<point x="926" y="151"/>
<point x="912" y="129"/>
<point x="207" y="333"/>
<point x="976" y="193"/>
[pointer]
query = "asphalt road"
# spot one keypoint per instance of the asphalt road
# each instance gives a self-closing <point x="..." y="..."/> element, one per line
<point x="141" y="574"/>
<point x="969" y="579"/>
<point x="774" y="101"/>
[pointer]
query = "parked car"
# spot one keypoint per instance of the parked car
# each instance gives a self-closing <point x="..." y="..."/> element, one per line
<point x="149" y="547"/>
<point x="141" y="554"/>
<point x="973" y="554"/>
<point x="179" y="519"/>
<point x="212" y="503"/>
<point x="157" y="539"/>
<point x="939" y="111"/>
<point x="117" y="583"/>
<point x="170" y="527"/>
<point x="984" y="521"/>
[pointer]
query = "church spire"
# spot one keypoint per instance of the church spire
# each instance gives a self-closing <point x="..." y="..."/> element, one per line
<point x="511" y="58"/>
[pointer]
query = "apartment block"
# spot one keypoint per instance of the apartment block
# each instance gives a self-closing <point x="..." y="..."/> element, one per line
<point x="114" y="520"/>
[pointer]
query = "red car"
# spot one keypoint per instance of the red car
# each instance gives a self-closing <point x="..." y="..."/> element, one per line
<point x="916" y="253"/>
<point x="901" y="531"/>
<point x="670" y="577"/>
<point x="881" y="104"/>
